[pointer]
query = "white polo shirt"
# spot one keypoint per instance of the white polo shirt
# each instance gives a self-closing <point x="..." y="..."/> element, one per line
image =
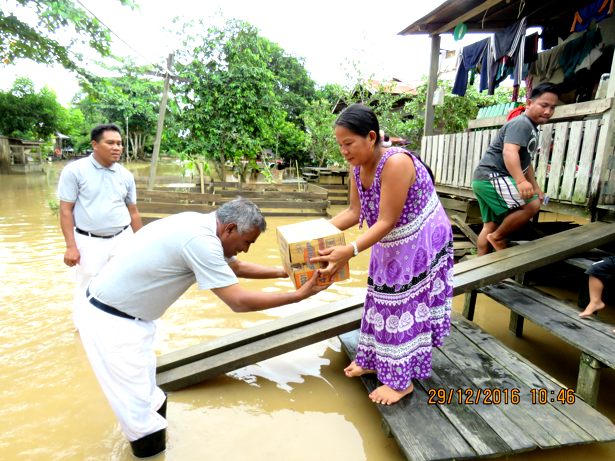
<point x="163" y="260"/>
<point x="100" y="195"/>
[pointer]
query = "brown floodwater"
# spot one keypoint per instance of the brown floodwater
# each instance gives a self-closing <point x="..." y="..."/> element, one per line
<point x="298" y="406"/>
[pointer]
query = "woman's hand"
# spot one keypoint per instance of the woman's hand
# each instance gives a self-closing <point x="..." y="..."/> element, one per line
<point x="335" y="258"/>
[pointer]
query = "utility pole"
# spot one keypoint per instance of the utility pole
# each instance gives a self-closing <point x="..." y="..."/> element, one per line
<point x="163" y="107"/>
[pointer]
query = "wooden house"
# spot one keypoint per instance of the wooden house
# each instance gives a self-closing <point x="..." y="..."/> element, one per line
<point x="576" y="164"/>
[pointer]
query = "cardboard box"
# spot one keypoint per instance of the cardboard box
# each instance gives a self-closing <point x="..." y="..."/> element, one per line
<point x="301" y="241"/>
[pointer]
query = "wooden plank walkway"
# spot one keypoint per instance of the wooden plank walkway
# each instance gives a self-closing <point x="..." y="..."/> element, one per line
<point x="447" y="418"/>
<point x="193" y="365"/>
<point x="591" y="336"/>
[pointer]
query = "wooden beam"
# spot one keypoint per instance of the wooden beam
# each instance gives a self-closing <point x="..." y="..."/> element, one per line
<point x="469" y="15"/>
<point x="581" y="109"/>
<point x="431" y="85"/>
<point x="463" y="227"/>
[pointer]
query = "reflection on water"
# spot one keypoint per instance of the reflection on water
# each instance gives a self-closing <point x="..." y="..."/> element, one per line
<point x="297" y="406"/>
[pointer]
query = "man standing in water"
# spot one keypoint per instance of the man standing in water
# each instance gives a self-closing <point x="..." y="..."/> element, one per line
<point x="504" y="182"/>
<point x="137" y="286"/>
<point x="98" y="208"/>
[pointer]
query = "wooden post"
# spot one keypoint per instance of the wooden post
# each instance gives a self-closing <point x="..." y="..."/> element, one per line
<point x="589" y="379"/>
<point x="161" y="112"/>
<point x="431" y="85"/>
<point x="515" y="324"/>
<point x="469" y="304"/>
<point x="600" y="187"/>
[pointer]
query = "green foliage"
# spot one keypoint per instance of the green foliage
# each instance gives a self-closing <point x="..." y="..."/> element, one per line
<point x="54" y="206"/>
<point x="239" y="94"/>
<point x="41" y="42"/>
<point x="28" y="114"/>
<point x="319" y="120"/>
<point x="129" y="100"/>
<point x="453" y="115"/>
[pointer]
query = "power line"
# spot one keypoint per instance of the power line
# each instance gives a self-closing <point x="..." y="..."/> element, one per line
<point x="165" y="68"/>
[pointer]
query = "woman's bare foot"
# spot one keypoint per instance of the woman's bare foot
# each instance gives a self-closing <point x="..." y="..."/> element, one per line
<point x="591" y="309"/>
<point x="496" y="244"/>
<point x="353" y="370"/>
<point x="388" y="396"/>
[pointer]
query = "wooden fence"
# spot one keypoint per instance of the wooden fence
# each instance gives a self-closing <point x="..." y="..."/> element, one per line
<point x="568" y="165"/>
<point x="277" y="200"/>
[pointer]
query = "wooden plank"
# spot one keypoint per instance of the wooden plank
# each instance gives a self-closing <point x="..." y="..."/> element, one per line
<point x="266" y="347"/>
<point x="463" y="227"/>
<point x="591" y="230"/>
<point x="493" y="432"/>
<point x="543" y="423"/>
<point x="555" y="167"/>
<point x="452" y="153"/>
<point x="588" y="419"/>
<point x="463" y="160"/>
<point x="483" y="271"/>
<point x="478" y="148"/>
<point x="439" y="439"/>
<point x="580" y="109"/>
<point x="581" y="187"/>
<point x="448" y="140"/>
<point x="589" y="335"/>
<point x="457" y="169"/>
<point x="545" y="141"/>
<point x="440" y="158"/>
<point x="241" y="338"/>
<point x="571" y="163"/>
<point x="468" y="164"/>
<point x="171" y="208"/>
<point x="424" y="148"/>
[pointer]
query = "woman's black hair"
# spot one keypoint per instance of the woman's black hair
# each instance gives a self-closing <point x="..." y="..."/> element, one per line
<point x="360" y="119"/>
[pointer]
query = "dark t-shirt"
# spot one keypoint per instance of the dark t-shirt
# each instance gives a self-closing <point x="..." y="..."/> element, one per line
<point x="520" y="131"/>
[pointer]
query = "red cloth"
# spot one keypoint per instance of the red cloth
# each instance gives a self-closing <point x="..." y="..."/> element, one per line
<point x="515" y="112"/>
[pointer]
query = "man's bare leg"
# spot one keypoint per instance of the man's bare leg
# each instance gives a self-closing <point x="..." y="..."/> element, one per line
<point x="386" y="395"/>
<point x="513" y="221"/>
<point x="353" y="370"/>
<point x="482" y="244"/>
<point x="595" y="297"/>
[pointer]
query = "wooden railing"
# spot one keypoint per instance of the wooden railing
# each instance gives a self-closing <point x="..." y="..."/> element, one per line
<point x="572" y="158"/>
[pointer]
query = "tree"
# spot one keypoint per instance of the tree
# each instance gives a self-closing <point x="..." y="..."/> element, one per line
<point x="28" y="114"/>
<point x="319" y="120"/>
<point x="130" y="100"/>
<point x="41" y="42"/>
<point x="240" y="95"/>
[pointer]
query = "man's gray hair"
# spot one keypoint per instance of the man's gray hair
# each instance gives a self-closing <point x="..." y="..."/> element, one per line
<point x="244" y="213"/>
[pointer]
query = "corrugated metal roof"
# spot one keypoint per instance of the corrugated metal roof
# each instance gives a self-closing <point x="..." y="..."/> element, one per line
<point x="492" y="15"/>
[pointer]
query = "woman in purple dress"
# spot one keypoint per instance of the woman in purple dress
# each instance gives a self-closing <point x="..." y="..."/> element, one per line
<point x="410" y="283"/>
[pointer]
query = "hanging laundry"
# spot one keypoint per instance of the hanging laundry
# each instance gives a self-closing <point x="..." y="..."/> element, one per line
<point x="575" y="51"/>
<point x="470" y="58"/>
<point x="508" y="54"/>
<point x="595" y="11"/>
<point x="546" y="68"/>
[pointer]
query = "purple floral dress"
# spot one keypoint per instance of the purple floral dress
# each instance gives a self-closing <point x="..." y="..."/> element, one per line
<point x="410" y="285"/>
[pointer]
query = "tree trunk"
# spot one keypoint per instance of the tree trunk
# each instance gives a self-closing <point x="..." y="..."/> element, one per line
<point x="199" y="166"/>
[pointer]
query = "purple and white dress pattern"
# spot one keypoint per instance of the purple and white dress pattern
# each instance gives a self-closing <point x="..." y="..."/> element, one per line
<point x="410" y="283"/>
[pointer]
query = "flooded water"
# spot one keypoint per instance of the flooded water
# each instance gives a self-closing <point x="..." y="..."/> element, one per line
<point x="298" y="406"/>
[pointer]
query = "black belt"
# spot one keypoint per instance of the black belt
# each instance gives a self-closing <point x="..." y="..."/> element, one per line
<point x="89" y="234"/>
<point x="108" y="309"/>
